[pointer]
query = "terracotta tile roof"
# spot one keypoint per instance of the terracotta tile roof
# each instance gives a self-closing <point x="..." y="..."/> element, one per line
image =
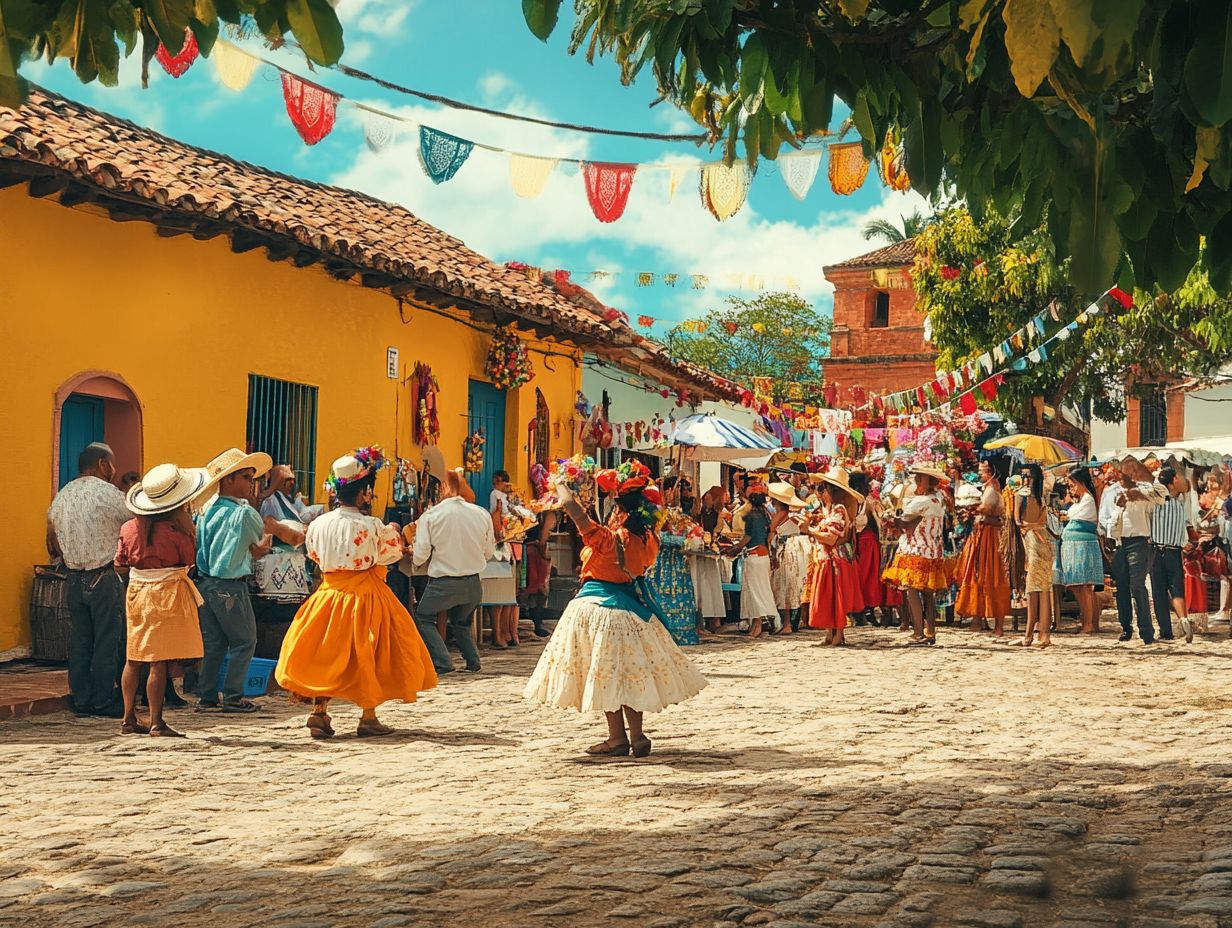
<point x="116" y="160"/>
<point x="898" y="254"/>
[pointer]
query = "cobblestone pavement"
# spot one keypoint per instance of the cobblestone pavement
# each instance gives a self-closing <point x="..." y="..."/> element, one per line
<point x="971" y="784"/>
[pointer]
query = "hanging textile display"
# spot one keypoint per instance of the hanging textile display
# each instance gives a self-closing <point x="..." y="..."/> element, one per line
<point x="472" y="452"/>
<point x="509" y="363"/>
<point x="379" y="131"/>
<point x="724" y="188"/>
<point x="799" y="171"/>
<point x="607" y="188"/>
<point x="848" y="167"/>
<point x="234" y="68"/>
<point x="427" y="429"/>
<point x="529" y="174"/>
<point x="675" y="175"/>
<point x="892" y="163"/>
<point x="441" y="154"/>
<point x="312" y="109"/>
<point x="177" y="64"/>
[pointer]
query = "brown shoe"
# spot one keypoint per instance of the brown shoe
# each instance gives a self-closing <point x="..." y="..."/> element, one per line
<point x="318" y="726"/>
<point x="641" y="747"/>
<point x="134" y="728"/>
<point x="372" y="728"/>
<point x="609" y="749"/>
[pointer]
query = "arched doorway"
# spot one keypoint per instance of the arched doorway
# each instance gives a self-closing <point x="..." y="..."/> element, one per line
<point x="95" y="406"/>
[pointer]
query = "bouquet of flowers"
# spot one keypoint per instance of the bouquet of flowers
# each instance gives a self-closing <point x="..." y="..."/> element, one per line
<point x="472" y="452"/>
<point x="578" y="474"/>
<point x="509" y="363"/>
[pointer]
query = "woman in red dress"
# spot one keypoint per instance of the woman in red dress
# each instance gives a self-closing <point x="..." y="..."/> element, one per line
<point x="833" y="575"/>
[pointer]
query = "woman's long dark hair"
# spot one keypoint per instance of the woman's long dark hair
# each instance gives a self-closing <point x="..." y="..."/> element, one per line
<point x="1083" y="475"/>
<point x="1037" y="480"/>
<point x="637" y="519"/>
<point x="349" y="493"/>
<point x="149" y="523"/>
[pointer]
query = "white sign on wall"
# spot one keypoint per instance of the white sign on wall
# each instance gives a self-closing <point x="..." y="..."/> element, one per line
<point x="391" y="363"/>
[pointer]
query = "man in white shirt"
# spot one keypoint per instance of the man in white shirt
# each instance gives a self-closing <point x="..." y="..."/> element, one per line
<point x="456" y="537"/>
<point x="1125" y="525"/>
<point x="83" y="528"/>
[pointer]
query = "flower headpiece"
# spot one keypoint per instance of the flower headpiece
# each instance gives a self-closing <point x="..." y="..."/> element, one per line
<point x="759" y="488"/>
<point x="629" y="476"/>
<point x="355" y="466"/>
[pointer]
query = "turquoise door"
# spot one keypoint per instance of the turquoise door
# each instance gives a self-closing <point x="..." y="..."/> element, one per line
<point x="81" y="422"/>
<point x="486" y="409"/>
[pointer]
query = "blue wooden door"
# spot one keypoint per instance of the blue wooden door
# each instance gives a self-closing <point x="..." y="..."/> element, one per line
<point x="486" y="409"/>
<point x="81" y="422"/>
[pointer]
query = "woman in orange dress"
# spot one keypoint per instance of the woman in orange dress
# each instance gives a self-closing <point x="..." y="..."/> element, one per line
<point x="610" y="652"/>
<point x="983" y="585"/>
<point x="353" y="639"/>
<point x="834" y="576"/>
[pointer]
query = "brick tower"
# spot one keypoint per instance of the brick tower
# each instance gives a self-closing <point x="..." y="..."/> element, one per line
<point x="878" y="336"/>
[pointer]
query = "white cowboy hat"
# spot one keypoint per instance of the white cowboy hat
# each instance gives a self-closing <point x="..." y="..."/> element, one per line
<point x="967" y="495"/>
<point x="434" y="462"/>
<point x="164" y="488"/>
<point x="785" y="493"/>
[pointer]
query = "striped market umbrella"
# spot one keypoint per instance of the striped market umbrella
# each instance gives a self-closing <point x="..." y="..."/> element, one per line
<point x="1037" y="449"/>
<point x="709" y="438"/>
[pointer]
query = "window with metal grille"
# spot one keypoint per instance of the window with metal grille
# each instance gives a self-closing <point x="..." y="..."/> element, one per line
<point x="282" y="422"/>
<point x="1153" y="419"/>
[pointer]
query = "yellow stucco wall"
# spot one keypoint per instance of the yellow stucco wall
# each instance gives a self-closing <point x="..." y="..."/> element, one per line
<point x="184" y="323"/>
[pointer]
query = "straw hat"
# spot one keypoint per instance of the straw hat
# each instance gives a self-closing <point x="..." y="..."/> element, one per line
<point x="233" y="460"/>
<point x="164" y="488"/>
<point x="434" y="462"/>
<point x="837" y="478"/>
<point x="928" y="470"/>
<point x="783" y="492"/>
<point x="967" y="495"/>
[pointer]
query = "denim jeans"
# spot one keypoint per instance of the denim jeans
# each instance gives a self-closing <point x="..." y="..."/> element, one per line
<point x="1130" y="565"/>
<point x="1167" y="583"/>
<point x="458" y="598"/>
<point x="228" y="628"/>
<point x="96" y="605"/>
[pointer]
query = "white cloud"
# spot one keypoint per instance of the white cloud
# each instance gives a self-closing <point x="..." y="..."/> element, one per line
<point x="380" y="19"/>
<point x="495" y="85"/>
<point x="479" y="206"/>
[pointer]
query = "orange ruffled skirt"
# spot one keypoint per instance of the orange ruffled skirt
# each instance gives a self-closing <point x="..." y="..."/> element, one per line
<point x="913" y="572"/>
<point x="829" y="605"/>
<point x="352" y="639"/>
<point x="983" y="583"/>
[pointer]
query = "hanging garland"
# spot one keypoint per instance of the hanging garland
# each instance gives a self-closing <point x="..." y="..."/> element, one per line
<point x="509" y="363"/>
<point x="427" y="422"/>
<point x="472" y="452"/>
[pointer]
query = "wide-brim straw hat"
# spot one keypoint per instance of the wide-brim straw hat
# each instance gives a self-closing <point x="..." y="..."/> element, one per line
<point x="838" y="479"/>
<point x="165" y="488"/>
<point x="434" y="462"/>
<point x="785" y="493"/>
<point x="232" y="461"/>
<point x="928" y="470"/>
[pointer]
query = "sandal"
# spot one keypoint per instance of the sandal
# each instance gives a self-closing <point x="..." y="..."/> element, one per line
<point x="164" y="730"/>
<point x="244" y="705"/>
<point x="372" y="728"/>
<point x="608" y="749"/>
<point x="641" y="747"/>
<point x="318" y="726"/>
<point x="134" y="728"/>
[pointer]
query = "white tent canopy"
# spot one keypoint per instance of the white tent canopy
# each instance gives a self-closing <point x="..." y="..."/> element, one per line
<point x="708" y="438"/>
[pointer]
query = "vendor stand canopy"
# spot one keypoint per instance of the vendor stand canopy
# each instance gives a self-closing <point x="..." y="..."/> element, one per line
<point x="1198" y="452"/>
<point x="708" y="438"/>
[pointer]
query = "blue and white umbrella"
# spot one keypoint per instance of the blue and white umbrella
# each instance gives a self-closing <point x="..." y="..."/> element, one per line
<point x="709" y="438"/>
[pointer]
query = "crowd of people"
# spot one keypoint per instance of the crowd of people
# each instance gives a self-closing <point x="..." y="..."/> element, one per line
<point x="160" y="577"/>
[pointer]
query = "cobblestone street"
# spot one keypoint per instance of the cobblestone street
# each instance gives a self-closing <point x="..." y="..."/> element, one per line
<point x="973" y="784"/>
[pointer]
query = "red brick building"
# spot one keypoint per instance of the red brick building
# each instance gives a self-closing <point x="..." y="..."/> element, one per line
<point x="878" y="337"/>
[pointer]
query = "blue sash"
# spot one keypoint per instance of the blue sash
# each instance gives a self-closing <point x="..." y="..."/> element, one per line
<point x="636" y="597"/>
<point x="1079" y="527"/>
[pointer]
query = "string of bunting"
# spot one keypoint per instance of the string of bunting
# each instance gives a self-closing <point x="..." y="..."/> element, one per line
<point x="722" y="188"/>
<point x="733" y="280"/>
<point x="986" y="373"/>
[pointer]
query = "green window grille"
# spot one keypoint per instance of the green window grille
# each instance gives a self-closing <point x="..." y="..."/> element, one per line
<point x="282" y="422"/>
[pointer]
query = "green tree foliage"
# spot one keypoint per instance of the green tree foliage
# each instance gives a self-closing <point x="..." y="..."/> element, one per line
<point x="886" y="231"/>
<point x="1007" y="273"/>
<point x="1110" y="117"/>
<point x="776" y="335"/>
<point x="94" y="34"/>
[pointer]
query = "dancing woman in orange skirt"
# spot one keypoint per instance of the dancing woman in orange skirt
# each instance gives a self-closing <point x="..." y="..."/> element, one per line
<point x="352" y="639"/>
<point x="833" y="576"/>
<point x="983" y="586"/>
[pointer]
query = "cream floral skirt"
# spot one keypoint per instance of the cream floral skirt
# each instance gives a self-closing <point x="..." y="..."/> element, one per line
<point x="599" y="659"/>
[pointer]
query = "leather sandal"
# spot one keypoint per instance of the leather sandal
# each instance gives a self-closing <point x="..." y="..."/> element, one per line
<point x="318" y="726"/>
<point x="608" y="749"/>
<point x="134" y="728"/>
<point x="372" y="728"/>
<point x="641" y="747"/>
<point x="163" y="730"/>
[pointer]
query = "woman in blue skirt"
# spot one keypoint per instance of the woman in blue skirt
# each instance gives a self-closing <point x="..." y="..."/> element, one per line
<point x="1082" y="561"/>
<point x="672" y="581"/>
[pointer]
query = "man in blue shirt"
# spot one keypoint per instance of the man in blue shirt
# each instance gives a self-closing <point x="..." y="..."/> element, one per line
<point x="230" y="533"/>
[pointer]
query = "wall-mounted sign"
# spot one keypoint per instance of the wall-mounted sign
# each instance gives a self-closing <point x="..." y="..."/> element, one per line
<point x="391" y="363"/>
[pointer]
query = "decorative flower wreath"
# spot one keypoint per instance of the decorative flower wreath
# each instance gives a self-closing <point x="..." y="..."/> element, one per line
<point x="629" y="477"/>
<point x="371" y="460"/>
<point x="509" y="363"/>
<point x="577" y="473"/>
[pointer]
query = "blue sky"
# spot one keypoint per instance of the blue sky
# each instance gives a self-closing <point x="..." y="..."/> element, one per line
<point x="480" y="51"/>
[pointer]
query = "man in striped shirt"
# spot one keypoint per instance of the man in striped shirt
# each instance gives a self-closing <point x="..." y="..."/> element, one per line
<point x="1169" y="535"/>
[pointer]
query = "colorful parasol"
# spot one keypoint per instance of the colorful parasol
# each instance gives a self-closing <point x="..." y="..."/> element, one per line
<point x="1038" y="449"/>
